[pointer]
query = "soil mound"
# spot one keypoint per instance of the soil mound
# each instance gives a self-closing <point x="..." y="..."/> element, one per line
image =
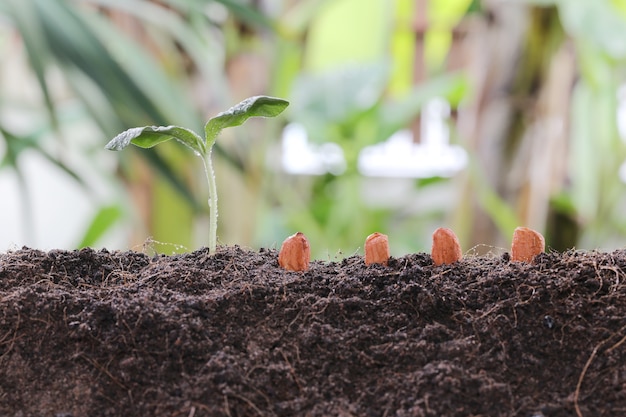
<point x="99" y="333"/>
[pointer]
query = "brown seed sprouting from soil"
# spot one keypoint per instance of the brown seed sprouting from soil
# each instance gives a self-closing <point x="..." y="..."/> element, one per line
<point x="527" y="244"/>
<point x="295" y="253"/>
<point x="446" y="248"/>
<point x="377" y="249"/>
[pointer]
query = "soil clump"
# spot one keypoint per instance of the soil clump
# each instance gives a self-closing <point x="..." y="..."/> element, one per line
<point x="100" y="333"/>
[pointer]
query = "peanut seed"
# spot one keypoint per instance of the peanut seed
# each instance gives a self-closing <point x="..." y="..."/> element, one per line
<point x="446" y="248"/>
<point x="376" y="249"/>
<point x="295" y="253"/>
<point x="527" y="244"/>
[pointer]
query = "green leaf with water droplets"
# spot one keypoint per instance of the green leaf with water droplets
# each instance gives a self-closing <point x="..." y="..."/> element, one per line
<point x="149" y="136"/>
<point x="258" y="106"/>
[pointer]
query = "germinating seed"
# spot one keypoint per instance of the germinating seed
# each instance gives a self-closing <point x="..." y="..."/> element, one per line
<point x="377" y="249"/>
<point x="446" y="248"/>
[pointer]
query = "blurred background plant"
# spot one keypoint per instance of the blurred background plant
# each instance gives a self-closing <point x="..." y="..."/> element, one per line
<point x="406" y="115"/>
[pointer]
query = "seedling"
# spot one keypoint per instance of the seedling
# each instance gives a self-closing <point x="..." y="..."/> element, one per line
<point x="149" y="136"/>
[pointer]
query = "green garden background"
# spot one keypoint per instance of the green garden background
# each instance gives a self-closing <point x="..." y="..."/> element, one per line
<point x="536" y="92"/>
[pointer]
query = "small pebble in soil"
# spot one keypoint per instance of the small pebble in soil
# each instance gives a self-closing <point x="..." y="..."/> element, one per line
<point x="548" y="321"/>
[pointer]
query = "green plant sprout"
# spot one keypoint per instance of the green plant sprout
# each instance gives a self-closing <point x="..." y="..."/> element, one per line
<point x="149" y="136"/>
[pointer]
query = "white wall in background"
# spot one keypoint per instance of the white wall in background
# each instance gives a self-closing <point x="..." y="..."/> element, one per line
<point x="60" y="209"/>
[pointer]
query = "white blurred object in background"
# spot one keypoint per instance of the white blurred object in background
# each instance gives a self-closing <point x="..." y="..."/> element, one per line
<point x="400" y="157"/>
<point x="299" y="157"/>
<point x="397" y="157"/>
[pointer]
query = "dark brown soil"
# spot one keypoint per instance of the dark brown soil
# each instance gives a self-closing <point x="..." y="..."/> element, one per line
<point x="89" y="333"/>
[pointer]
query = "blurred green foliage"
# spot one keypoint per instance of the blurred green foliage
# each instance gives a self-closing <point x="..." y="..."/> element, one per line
<point x="349" y="70"/>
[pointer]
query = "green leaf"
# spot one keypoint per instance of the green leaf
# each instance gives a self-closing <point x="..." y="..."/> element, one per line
<point x="399" y="113"/>
<point x="27" y="21"/>
<point x="248" y="13"/>
<point x="102" y="221"/>
<point x="149" y="136"/>
<point x="597" y="22"/>
<point x="501" y="213"/>
<point x="258" y="106"/>
<point x="338" y="96"/>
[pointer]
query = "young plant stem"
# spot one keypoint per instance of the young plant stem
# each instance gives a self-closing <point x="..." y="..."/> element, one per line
<point x="210" y="177"/>
<point x="149" y="136"/>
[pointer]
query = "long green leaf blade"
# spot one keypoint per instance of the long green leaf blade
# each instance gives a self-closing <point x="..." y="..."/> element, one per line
<point x="258" y="106"/>
<point x="104" y="219"/>
<point x="26" y="20"/>
<point x="149" y="136"/>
